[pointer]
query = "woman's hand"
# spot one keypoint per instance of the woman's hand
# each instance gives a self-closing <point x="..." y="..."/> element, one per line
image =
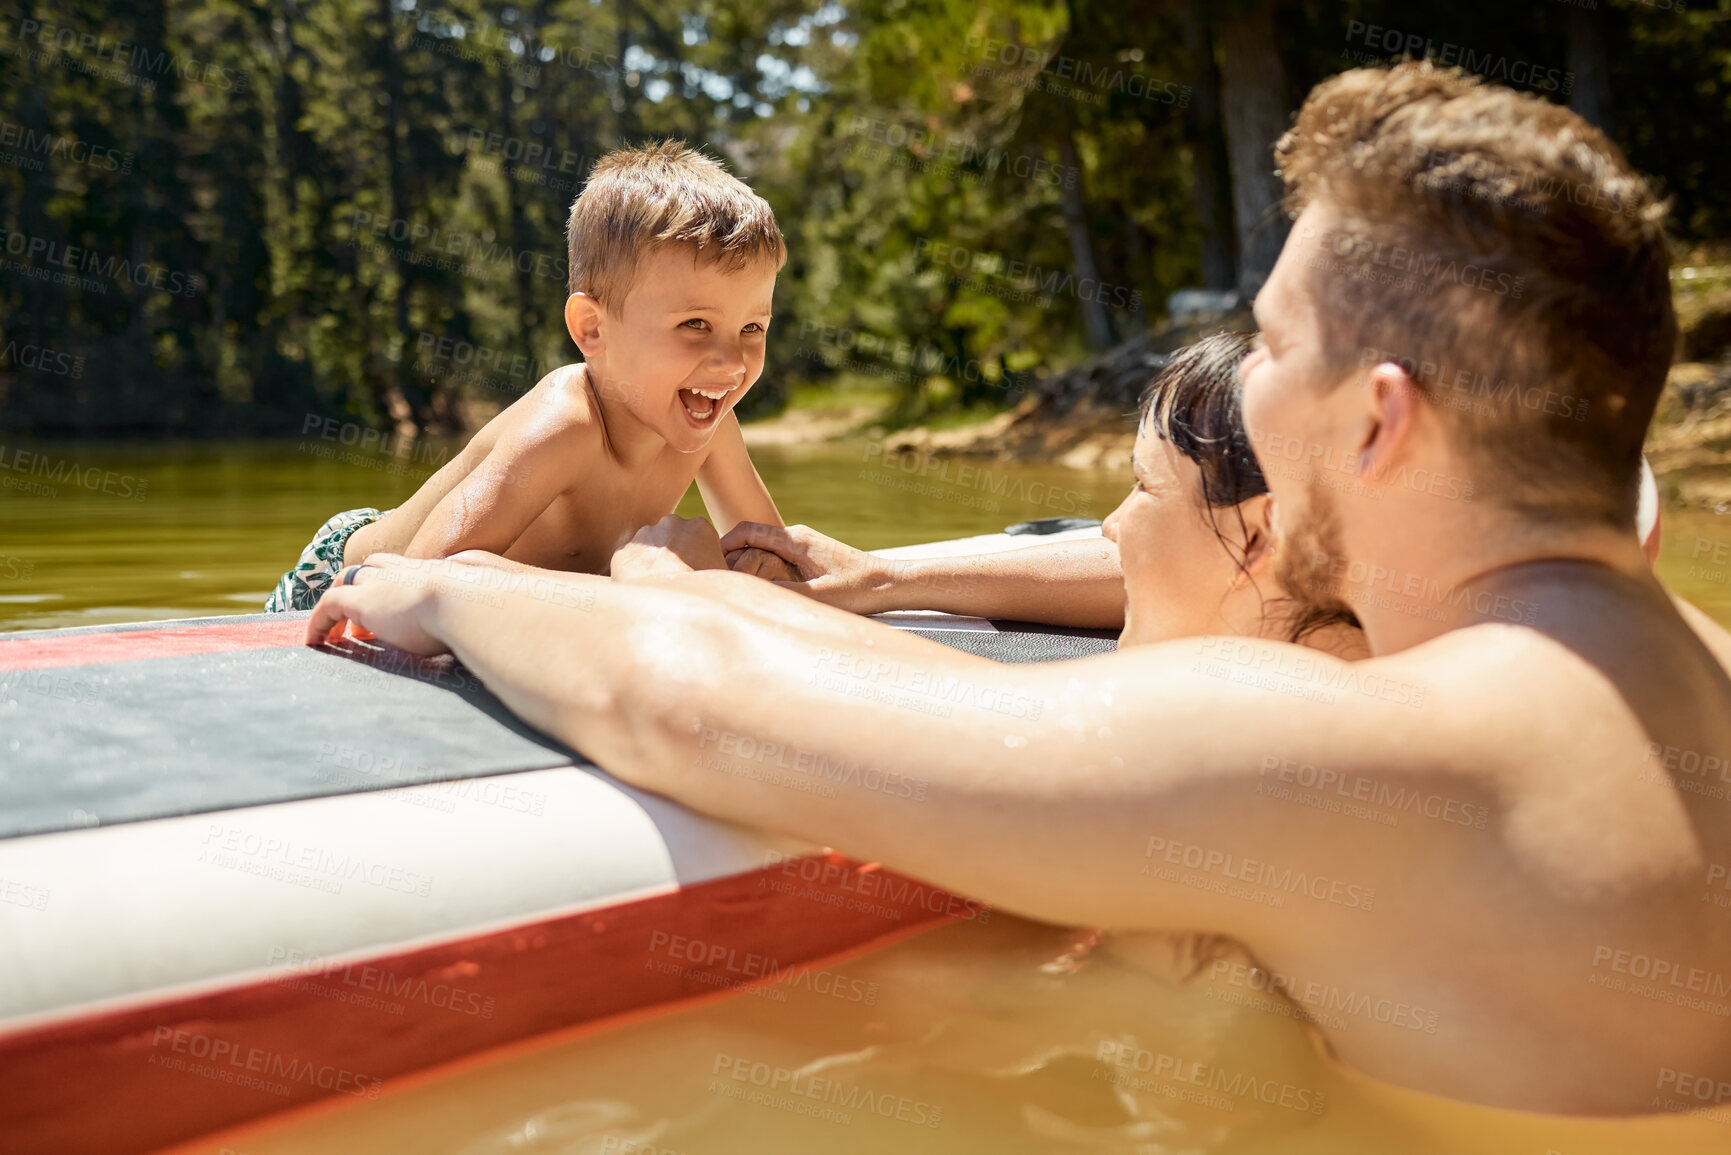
<point x="672" y="545"/>
<point x="763" y="564"/>
<point x="387" y="597"/>
<point x="833" y="573"/>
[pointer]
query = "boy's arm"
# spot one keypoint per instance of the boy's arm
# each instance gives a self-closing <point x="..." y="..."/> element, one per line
<point x="732" y="491"/>
<point x="504" y="493"/>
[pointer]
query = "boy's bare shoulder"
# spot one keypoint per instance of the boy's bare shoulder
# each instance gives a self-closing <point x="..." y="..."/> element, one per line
<point x="560" y="408"/>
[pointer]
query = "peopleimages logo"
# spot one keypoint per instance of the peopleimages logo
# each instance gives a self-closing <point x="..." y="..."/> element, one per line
<point x="1490" y="65"/>
<point x="745" y="966"/>
<point x="363" y="980"/>
<point x="981" y="269"/>
<point x="228" y="1063"/>
<point x="41" y="252"/>
<point x="1081" y="73"/>
<point x="62" y="471"/>
<point x="1362" y="257"/>
<point x="31" y="144"/>
<point x="486" y="256"/>
<point x="139" y="58"/>
<point x="1209" y="1076"/>
<point x="44" y="360"/>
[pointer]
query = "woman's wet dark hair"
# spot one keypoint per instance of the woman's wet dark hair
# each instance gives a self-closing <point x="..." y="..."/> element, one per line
<point x="1194" y="403"/>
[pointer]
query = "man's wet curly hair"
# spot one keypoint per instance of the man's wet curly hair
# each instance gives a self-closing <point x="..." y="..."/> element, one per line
<point x="1504" y="252"/>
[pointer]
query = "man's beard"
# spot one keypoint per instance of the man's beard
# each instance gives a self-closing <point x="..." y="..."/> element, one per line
<point x="1310" y="553"/>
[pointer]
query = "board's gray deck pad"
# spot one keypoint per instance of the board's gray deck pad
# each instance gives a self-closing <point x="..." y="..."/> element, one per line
<point x="1020" y="642"/>
<point x="130" y="740"/>
<point x="179" y="735"/>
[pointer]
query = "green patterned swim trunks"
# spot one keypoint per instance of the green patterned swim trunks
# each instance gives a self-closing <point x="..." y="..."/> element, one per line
<point x="320" y="563"/>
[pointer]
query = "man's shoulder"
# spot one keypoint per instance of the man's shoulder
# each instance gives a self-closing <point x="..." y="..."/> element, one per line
<point x="1588" y="742"/>
<point x="1499" y="708"/>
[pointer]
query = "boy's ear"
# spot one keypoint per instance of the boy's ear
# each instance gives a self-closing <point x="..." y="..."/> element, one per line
<point x="1258" y="515"/>
<point x="583" y="322"/>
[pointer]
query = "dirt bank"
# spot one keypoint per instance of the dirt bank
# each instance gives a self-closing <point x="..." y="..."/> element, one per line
<point x="1084" y="416"/>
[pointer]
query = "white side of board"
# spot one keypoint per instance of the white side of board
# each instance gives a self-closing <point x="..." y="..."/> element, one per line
<point x="141" y="909"/>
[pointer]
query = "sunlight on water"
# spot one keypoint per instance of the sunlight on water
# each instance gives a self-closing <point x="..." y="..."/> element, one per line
<point x="1004" y="1037"/>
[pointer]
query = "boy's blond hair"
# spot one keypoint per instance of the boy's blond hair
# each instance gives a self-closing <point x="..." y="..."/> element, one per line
<point x="637" y="200"/>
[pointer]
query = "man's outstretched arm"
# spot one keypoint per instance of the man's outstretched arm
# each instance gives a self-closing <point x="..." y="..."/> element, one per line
<point x="1038" y="788"/>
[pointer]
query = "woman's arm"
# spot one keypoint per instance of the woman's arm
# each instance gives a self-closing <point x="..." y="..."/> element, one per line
<point x="1068" y="583"/>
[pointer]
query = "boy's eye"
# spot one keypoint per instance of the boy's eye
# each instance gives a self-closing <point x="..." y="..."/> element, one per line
<point x="698" y="321"/>
<point x="754" y="327"/>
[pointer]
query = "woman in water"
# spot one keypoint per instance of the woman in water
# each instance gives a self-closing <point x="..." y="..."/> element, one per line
<point x="1195" y="533"/>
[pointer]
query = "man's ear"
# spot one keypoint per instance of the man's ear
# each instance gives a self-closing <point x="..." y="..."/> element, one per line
<point x="1258" y="517"/>
<point x="583" y="322"/>
<point x="1393" y="399"/>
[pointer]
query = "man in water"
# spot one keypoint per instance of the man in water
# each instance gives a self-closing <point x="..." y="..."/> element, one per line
<point x="1464" y="341"/>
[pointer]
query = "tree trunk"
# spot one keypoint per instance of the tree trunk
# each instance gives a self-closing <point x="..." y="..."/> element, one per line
<point x="393" y="94"/>
<point x="1096" y="325"/>
<point x="1136" y="250"/>
<point x="518" y="235"/>
<point x="1208" y="148"/>
<point x="1253" y="100"/>
<point x="1590" y="68"/>
<point x="624" y="98"/>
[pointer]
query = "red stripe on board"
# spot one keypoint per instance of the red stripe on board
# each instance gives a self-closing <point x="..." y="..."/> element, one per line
<point x="97" y="649"/>
<point x="145" y="1077"/>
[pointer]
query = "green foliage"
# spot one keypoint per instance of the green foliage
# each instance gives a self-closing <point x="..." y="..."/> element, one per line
<point x="233" y="214"/>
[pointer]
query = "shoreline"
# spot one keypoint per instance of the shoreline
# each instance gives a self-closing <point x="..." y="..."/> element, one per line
<point x="1688" y="445"/>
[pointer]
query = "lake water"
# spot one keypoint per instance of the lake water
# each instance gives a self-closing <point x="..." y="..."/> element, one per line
<point x="93" y="533"/>
<point x="978" y="1037"/>
<point x="982" y="1036"/>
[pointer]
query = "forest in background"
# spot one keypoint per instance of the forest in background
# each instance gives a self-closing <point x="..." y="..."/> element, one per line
<point x="231" y="216"/>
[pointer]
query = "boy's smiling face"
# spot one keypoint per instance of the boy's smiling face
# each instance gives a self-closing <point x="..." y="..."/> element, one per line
<point x="682" y="347"/>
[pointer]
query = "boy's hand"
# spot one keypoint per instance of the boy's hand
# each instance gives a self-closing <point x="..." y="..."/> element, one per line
<point x="672" y="545"/>
<point x="836" y="574"/>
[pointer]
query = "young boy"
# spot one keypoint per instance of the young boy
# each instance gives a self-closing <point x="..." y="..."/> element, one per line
<point x="673" y="264"/>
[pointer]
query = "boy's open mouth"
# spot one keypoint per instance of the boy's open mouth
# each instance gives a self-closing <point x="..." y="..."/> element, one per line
<point x="702" y="406"/>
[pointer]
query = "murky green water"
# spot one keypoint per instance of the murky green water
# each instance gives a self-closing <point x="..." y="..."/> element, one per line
<point x="93" y="533"/>
<point x="992" y="1032"/>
